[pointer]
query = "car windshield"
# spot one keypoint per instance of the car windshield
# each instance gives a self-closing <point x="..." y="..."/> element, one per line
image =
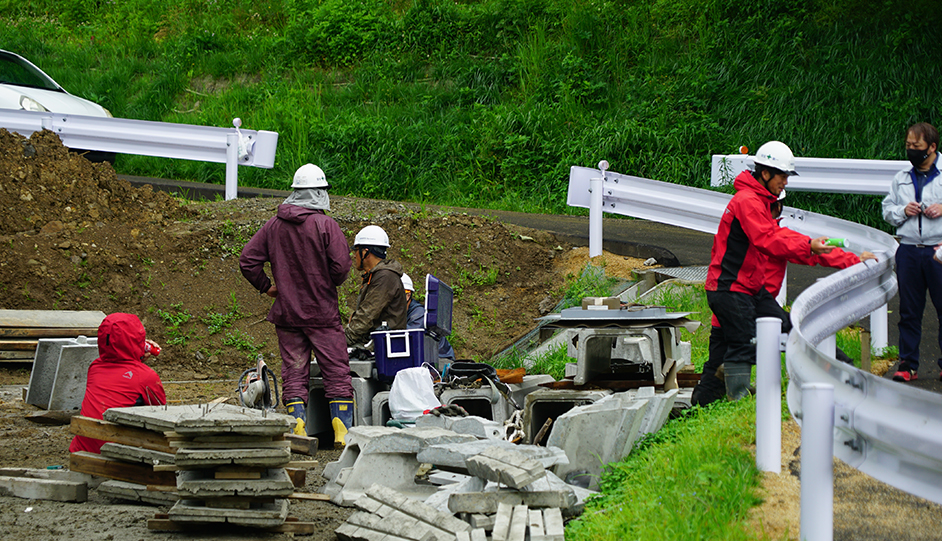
<point x="15" y="71"/>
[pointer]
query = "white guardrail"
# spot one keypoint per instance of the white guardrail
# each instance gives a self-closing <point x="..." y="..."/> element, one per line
<point x="232" y="146"/>
<point x="834" y="175"/>
<point x="890" y="431"/>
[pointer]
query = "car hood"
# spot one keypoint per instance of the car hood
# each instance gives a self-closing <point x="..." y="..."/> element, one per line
<point x="56" y="102"/>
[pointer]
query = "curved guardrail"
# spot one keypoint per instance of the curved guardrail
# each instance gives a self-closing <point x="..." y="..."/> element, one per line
<point x="887" y="430"/>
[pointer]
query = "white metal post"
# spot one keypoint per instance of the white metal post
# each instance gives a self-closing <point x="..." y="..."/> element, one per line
<point x="595" y="211"/>
<point x="879" y="336"/>
<point x="768" y="394"/>
<point x="783" y="293"/>
<point x="232" y="166"/>
<point x="817" y="467"/>
<point x="828" y="346"/>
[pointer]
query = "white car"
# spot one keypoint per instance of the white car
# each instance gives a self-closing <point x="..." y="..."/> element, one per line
<point x="24" y="86"/>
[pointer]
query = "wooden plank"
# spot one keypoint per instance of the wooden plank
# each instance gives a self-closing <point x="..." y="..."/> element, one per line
<point x="126" y="435"/>
<point x="31" y="332"/>
<point x="51" y="318"/>
<point x="298" y="464"/>
<point x="314" y="497"/>
<point x="161" y="488"/>
<point x="12" y="344"/>
<point x="298" y="477"/>
<point x="142" y="474"/>
<point x="52" y="417"/>
<point x="289" y="526"/>
<point x="303" y="445"/>
<point x="17" y="356"/>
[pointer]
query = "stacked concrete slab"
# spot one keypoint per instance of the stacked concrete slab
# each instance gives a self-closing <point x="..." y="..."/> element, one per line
<point x="230" y="461"/>
<point x="60" y="368"/>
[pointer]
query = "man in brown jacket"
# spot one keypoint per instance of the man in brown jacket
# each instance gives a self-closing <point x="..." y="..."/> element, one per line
<point x="382" y="297"/>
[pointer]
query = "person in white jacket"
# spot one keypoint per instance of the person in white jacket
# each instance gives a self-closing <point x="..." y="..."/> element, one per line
<point x="914" y="207"/>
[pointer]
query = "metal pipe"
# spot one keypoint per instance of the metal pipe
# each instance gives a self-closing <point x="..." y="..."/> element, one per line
<point x="828" y="346"/>
<point x="817" y="467"/>
<point x="768" y="394"/>
<point x="879" y="337"/>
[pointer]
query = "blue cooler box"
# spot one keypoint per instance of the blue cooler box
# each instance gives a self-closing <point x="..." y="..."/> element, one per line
<point x="395" y="350"/>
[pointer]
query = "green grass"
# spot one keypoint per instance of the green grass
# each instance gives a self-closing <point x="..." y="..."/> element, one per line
<point x="694" y="479"/>
<point x="489" y="103"/>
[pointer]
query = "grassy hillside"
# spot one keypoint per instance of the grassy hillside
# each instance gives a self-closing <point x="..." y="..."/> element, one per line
<point x="489" y="103"/>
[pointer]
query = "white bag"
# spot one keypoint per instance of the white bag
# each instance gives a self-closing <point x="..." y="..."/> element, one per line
<point x="412" y="393"/>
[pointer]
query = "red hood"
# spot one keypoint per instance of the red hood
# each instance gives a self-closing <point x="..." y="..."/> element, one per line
<point x="121" y="338"/>
<point x="745" y="181"/>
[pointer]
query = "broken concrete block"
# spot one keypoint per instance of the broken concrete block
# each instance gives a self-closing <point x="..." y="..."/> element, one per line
<point x="441" y="478"/>
<point x="489" y="502"/>
<point x="505" y="466"/>
<point x="463" y="536"/>
<point x="535" y="525"/>
<point x="478" y="427"/>
<point x="43" y="489"/>
<point x="412" y="440"/>
<point x="595" y="435"/>
<point x="127" y="453"/>
<point x="502" y="522"/>
<point x="54" y="475"/>
<point x="266" y="515"/>
<point x="367" y="527"/>
<point x="553" y="525"/>
<point x="576" y="498"/>
<point x="440" y="499"/>
<point x="659" y="408"/>
<point x="478" y="534"/>
<point x="482" y="522"/>
<point x="417" y="510"/>
<point x="455" y="455"/>
<point x="121" y="490"/>
<point x="518" y="524"/>
<point x="274" y="482"/>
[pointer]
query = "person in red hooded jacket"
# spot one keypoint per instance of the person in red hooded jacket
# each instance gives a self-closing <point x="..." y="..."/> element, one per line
<point x="711" y="386"/>
<point x="746" y="239"/>
<point x="119" y="378"/>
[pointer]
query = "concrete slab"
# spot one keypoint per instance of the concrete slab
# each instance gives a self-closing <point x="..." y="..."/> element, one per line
<point x="455" y="455"/>
<point x="505" y="466"/>
<point x="417" y="510"/>
<point x="43" y="489"/>
<point x="55" y="475"/>
<point x="473" y="425"/>
<point x="274" y="482"/>
<point x="46" y="365"/>
<point x="362" y="526"/>
<point x="658" y="410"/>
<point x="479" y="521"/>
<point x="68" y="387"/>
<point x="518" y="524"/>
<point x="441" y="478"/>
<point x="127" y="453"/>
<point x="489" y="502"/>
<point x="535" y="525"/>
<point x="553" y="525"/>
<point x="395" y="470"/>
<point x="121" y="490"/>
<point x="264" y="515"/>
<point x="596" y="434"/>
<point x="413" y="440"/>
<point x="206" y="458"/>
<point x="202" y="419"/>
<point x="439" y="500"/>
<point x="478" y="534"/>
<point x="502" y="522"/>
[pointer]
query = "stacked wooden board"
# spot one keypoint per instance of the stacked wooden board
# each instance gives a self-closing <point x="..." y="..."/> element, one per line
<point x="20" y="330"/>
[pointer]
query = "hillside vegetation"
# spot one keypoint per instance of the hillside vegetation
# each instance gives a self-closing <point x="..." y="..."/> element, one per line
<point x="488" y="103"/>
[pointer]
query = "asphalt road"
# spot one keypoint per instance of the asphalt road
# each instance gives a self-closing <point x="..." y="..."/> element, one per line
<point x="671" y="246"/>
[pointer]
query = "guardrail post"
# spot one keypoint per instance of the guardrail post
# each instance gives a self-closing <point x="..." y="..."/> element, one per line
<point x="232" y="166"/>
<point x="879" y="336"/>
<point x="817" y="467"/>
<point x="595" y="211"/>
<point x="828" y="346"/>
<point x="769" y="394"/>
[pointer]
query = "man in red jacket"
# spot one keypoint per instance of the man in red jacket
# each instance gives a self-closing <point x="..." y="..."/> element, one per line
<point x="747" y="237"/>
<point x="118" y="378"/>
<point x="310" y="259"/>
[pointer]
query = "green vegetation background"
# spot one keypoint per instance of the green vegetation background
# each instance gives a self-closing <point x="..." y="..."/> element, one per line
<point x="488" y="103"/>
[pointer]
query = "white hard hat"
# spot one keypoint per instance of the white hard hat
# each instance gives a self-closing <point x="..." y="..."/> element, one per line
<point x="776" y="154"/>
<point x="407" y="282"/>
<point x="309" y="176"/>
<point x="372" y="235"/>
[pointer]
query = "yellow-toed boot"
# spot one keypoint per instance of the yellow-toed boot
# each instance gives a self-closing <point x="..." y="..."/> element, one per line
<point x="341" y="418"/>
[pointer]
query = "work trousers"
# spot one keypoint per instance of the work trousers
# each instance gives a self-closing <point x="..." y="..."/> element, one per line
<point x="737" y="313"/>
<point x="916" y="272"/>
<point x="329" y="346"/>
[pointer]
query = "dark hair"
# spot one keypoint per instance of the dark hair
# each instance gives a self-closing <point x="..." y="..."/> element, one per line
<point x="926" y="131"/>
<point x="772" y="170"/>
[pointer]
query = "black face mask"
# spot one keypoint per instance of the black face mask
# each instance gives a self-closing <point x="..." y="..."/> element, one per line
<point x="916" y="157"/>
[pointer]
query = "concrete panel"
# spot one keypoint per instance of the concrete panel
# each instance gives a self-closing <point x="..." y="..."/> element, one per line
<point x="274" y="482"/>
<point x="505" y="466"/>
<point x="265" y="515"/>
<point x="68" y="387"/>
<point x="126" y="453"/>
<point x="43" y="489"/>
<point x="121" y="490"/>
<point x="478" y="427"/>
<point x="45" y="364"/>
<point x="413" y="440"/>
<point x="203" y="419"/>
<point x="205" y="458"/>
<point x="455" y="455"/>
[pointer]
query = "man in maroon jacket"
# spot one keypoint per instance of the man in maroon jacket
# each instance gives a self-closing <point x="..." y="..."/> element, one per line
<point x="309" y="259"/>
<point x="747" y="237"/>
<point x="118" y="378"/>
